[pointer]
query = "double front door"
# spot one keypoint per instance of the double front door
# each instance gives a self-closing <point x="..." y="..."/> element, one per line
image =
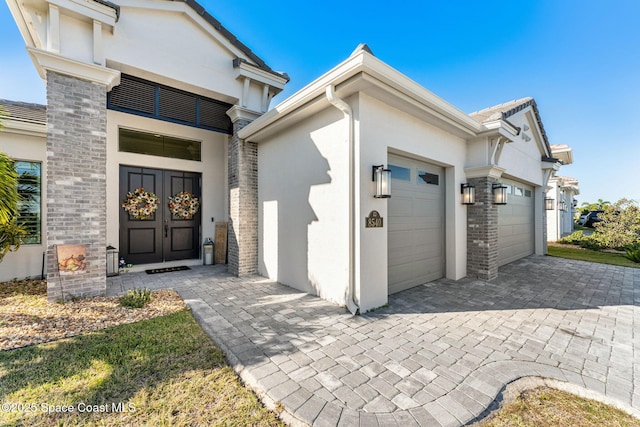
<point x="162" y="236"/>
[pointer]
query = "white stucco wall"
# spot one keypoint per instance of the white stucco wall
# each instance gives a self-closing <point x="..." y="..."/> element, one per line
<point x="303" y="206"/>
<point x="27" y="260"/>
<point x="162" y="42"/>
<point x="383" y="129"/>
<point x="213" y="167"/>
<point x="521" y="158"/>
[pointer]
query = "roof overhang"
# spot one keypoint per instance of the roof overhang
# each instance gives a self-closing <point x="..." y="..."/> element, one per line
<point x="363" y="72"/>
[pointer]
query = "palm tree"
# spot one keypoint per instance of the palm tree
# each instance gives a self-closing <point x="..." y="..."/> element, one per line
<point x="8" y="185"/>
<point x="10" y="232"/>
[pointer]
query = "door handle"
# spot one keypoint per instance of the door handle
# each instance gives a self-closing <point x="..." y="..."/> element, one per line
<point x="166" y="229"/>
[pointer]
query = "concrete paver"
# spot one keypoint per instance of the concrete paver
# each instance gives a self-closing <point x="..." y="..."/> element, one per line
<point x="439" y="354"/>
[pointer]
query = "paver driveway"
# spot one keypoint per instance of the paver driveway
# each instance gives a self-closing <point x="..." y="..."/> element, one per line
<point x="437" y="355"/>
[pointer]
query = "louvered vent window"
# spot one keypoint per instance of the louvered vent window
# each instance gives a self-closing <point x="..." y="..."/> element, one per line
<point x="149" y="99"/>
<point x="177" y="105"/>
<point x="134" y="95"/>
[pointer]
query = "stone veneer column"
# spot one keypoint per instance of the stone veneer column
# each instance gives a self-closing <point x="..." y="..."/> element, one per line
<point x="76" y="182"/>
<point x="482" y="232"/>
<point x="243" y="198"/>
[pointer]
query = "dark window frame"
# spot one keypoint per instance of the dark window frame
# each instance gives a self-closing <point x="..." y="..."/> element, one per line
<point x="158" y="102"/>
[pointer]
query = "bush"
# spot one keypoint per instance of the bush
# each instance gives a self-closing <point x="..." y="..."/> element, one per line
<point x="620" y="226"/>
<point x="633" y="252"/>
<point x="136" y="298"/>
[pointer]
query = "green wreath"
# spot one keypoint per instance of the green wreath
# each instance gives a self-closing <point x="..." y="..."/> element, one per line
<point x="140" y="204"/>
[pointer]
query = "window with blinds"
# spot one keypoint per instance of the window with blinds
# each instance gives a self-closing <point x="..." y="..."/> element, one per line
<point x="29" y="206"/>
<point x="145" y="98"/>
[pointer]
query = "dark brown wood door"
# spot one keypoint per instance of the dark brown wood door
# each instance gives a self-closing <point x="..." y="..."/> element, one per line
<point x="162" y="236"/>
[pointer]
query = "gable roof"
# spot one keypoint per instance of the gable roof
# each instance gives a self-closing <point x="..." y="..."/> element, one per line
<point x="24" y="111"/>
<point x="200" y="10"/>
<point x="508" y="109"/>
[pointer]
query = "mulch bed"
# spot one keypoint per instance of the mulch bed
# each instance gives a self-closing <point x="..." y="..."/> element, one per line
<point x="27" y="318"/>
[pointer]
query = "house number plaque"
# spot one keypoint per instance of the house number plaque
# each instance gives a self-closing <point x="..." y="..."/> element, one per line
<point x="374" y="220"/>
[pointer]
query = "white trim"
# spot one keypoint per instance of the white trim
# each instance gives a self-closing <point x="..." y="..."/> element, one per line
<point x="238" y="113"/>
<point x="372" y="73"/>
<point x="89" y="9"/>
<point x="490" y="171"/>
<point x="24" y="128"/>
<point x="258" y="75"/>
<point x="50" y="61"/>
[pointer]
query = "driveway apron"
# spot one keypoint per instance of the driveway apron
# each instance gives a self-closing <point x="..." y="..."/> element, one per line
<point x="438" y="354"/>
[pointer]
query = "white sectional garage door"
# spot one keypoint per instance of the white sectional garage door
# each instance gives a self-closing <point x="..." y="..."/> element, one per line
<point x="516" y="223"/>
<point x="416" y="223"/>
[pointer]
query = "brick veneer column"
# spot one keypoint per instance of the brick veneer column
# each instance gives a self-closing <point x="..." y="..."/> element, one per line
<point x="482" y="232"/>
<point x="76" y="182"/>
<point x="243" y="203"/>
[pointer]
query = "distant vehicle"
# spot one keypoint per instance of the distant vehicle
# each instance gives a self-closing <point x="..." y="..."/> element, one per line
<point x="582" y="220"/>
<point x="592" y="218"/>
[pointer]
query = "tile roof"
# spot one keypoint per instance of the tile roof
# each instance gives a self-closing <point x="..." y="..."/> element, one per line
<point x="501" y="111"/>
<point x="508" y="109"/>
<point x="24" y="111"/>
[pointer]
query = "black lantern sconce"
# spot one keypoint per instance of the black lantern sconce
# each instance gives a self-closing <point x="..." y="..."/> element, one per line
<point x="499" y="194"/>
<point x="549" y="204"/>
<point x="468" y="193"/>
<point x="563" y="206"/>
<point x="382" y="179"/>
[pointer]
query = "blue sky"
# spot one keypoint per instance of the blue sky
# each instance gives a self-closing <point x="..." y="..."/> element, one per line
<point x="580" y="60"/>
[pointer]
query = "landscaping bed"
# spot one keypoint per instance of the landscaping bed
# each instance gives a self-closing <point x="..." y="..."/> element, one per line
<point x="156" y="367"/>
<point x="27" y="318"/>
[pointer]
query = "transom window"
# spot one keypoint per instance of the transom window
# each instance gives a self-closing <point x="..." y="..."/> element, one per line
<point x="132" y="141"/>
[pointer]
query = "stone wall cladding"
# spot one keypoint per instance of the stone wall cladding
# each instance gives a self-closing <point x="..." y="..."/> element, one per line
<point x="76" y="182"/>
<point x="243" y="204"/>
<point x="482" y="232"/>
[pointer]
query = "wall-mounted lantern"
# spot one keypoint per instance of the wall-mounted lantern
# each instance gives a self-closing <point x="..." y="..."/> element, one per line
<point x="499" y="194"/>
<point x="468" y="193"/>
<point x="382" y="179"/>
<point x="549" y="204"/>
<point x="563" y="206"/>
<point x="575" y="202"/>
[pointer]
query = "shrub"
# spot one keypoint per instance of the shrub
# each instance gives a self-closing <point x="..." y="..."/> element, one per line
<point x="620" y="226"/>
<point x="633" y="252"/>
<point x="136" y="298"/>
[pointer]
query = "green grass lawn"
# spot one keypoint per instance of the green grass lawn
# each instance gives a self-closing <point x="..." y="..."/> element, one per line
<point x="546" y="407"/>
<point x="163" y="371"/>
<point x="591" y="256"/>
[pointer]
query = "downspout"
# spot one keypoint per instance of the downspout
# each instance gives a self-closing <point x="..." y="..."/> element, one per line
<point x="348" y="114"/>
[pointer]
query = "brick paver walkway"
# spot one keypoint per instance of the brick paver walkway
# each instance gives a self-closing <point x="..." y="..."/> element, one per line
<point x="439" y="354"/>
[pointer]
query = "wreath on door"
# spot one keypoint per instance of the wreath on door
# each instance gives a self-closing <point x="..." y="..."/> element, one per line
<point x="184" y="205"/>
<point x="140" y="204"/>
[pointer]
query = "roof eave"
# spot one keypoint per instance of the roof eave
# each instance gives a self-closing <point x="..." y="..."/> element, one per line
<point x="363" y="65"/>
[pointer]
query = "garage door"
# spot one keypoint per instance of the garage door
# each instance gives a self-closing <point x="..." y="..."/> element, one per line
<point x="416" y="223"/>
<point x="516" y="223"/>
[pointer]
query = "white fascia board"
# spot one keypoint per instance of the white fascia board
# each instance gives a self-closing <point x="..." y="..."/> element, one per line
<point x="17" y="10"/>
<point x="403" y="84"/>
<point x="90" y="9"/>
<point x="50" y="61"/>
<point x="382" y="75"/>
<point x="295" y="102"/>
<point x="564" y="154"/>
<point x="500" y="127"/>
<point x="25" y="128"/>
<point x="254" y="73"/>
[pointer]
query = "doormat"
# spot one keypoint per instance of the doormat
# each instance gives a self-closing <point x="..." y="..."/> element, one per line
<point x="167" y="269"/>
